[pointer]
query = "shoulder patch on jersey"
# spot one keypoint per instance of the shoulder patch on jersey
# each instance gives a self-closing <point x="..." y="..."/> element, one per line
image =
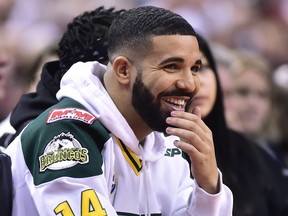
<point x="62" y="152"/>
<point x="71" y="114"/>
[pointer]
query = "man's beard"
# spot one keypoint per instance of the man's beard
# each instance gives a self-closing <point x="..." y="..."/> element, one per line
<point x="147" y="106"/>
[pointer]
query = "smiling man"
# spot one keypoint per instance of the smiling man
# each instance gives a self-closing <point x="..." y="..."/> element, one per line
<point x="161" y="96"/>
<point x="119" y="162"/>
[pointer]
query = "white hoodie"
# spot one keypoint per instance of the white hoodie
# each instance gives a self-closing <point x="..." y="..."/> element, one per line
<point x="154" y="180"/>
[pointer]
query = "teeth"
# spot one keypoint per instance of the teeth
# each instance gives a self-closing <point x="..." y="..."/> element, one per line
<point x="179" y="102"/>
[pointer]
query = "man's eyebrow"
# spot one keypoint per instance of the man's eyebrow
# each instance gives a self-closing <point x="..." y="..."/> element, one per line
<point x="179" y="59"/>
<point x="172" y="59"/>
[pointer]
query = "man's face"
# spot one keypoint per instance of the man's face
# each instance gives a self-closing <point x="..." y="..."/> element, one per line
<point x="166" y="79"/>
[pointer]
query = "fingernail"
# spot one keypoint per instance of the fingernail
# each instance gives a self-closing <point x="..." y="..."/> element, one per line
<point x="174" y="113"/>
<point x="168" y="130"/>
<point x="176" y="143"/>
<point x="168" y="120"/>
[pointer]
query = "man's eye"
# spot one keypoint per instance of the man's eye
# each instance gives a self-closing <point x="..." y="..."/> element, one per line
<point x="171" y="67"/>
<point x="195" y="68"/>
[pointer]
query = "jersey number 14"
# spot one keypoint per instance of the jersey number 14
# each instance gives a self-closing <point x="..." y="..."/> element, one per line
<point x="90" y="206"/>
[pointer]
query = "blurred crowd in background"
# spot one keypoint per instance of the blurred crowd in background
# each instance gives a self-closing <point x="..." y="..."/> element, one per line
<point x="249" y="39"/>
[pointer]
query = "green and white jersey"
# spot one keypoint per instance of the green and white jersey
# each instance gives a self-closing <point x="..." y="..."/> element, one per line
<point x="80" y="157"/>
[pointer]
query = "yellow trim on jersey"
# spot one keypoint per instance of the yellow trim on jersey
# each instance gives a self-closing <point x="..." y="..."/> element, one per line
<point x="131" y="157"/>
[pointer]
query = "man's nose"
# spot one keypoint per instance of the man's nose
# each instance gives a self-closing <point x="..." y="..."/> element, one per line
<point x="188" y="82"/>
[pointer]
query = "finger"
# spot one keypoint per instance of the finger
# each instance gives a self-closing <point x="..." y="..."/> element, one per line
<point x="196" y="111"/>
<point x="190" y="138"/>
<point x="189" y="149"/>
<point x="185" y="133"/>
<point x="193" y="124"/>
<point x="190" y="117"/>
<point x="186" y="124"/>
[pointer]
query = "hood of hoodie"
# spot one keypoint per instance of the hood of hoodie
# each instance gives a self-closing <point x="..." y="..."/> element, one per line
<point x="82" y="82"/>
<point x="33" y="104"/>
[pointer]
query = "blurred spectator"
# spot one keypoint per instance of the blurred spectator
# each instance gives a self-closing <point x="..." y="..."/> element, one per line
<point x="249" y="92"/>
<point x="14" y="81"/>
<point x="225" y="58"/>
<point x="254" y="94"/>
<point x="5" y="10"/>
<point x="260" y="106"/>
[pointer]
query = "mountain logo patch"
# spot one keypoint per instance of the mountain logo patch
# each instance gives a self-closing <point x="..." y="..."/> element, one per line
<point x="62" y="152"/>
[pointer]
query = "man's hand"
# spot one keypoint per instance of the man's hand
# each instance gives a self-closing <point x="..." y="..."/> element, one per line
<point x="197" y="141"/>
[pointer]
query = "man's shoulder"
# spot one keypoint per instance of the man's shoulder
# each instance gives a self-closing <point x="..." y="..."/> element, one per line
<point x="64" y="136"/>
<point x="66" y="116"/>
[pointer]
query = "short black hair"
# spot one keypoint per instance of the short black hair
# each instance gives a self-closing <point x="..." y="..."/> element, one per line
<point x="86" y="37"/>
<point x="132" y="30"/>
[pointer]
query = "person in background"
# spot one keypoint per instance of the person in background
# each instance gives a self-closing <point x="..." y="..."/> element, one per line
<point x="14" y="81"/>
<point x="253" y="103"/>
<point x="254" y="97"/>
<point x="6" y="7"/>
<point x="257" y="106"/>
<point x="225" y="57"/>
<point x="246" y="169"/>
<point x="86" y="31"/>
<point x="98" y="149"/>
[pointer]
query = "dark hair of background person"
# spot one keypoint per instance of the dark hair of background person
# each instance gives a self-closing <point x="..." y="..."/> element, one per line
<point x="84" y="40"/>
<point x="246" y="169"/>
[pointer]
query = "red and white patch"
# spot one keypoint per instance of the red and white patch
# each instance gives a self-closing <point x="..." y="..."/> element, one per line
<point x="70" y="114"/>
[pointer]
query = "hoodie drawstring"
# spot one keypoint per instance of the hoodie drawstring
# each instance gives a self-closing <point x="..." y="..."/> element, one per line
<point x="147" y="188"/>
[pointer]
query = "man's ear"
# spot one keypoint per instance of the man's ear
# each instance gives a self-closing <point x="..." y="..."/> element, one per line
<point x="121" y="66"/>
